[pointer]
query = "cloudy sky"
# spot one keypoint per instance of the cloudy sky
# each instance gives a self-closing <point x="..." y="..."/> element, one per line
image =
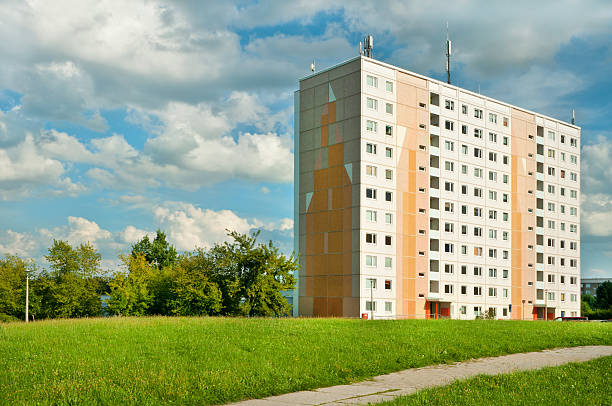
<point x="118" y="118"/>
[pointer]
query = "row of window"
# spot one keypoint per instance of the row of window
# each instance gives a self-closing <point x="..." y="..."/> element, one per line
<point x="372" y="126"/>
<point x="372" y="261"/>
<point x="573" y="210"/>
<point x="371" y="283"/>
<point x="371" y="306"/>
<point x="450" y="105"/>
<point x="573" y="263"/>
<point x="372" y="81"/>
<point x="552" y="137"/>
<point x="552" y="154"/>
<point x="552" y="171"/>
<point x="372" y="104"/>
<point x="371" y="238"/>
<point x="372" y="171"/>
<point x="450" y="208"/>
<point x="573" y="245"/>
<point x="551" y="278"/>
<point x="450" y="228"/>
<point x="449" y="247"/>
<point x="449" y="288"/>
<point x="552" y="188"/>
<point x="477" y="271"/>
<point x="477" y="192"/>
<point x="373" y="149"/>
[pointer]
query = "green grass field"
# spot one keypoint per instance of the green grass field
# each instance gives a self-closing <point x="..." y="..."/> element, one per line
<point x="218" y="360"/>
<point x="586" y="383"/>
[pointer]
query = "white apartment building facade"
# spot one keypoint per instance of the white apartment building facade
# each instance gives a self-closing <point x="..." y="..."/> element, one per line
<point x="419" y="199"/>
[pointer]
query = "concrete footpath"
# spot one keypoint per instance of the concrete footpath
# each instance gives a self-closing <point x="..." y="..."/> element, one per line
<point x="387" y="387"/>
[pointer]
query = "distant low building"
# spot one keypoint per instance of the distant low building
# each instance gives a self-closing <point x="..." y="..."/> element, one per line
<point x="589" y="286"/>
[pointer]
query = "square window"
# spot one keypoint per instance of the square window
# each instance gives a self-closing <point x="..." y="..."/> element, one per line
<point x="389" y="108"/>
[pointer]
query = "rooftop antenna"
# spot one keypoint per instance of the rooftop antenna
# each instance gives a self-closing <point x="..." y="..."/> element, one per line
<point x="368" y="45"/>
<point x="573" y="116"/>
<point x="448" y="55"/>
<point x="360" y="48"/>
<point x="313" y="66"/>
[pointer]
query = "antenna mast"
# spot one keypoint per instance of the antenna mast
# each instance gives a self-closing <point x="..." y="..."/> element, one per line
<point x="573" y="116"/>
<point x="448" y="55"/>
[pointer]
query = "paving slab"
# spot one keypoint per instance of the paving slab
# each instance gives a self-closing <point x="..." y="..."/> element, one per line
<point x="387" y="387"/>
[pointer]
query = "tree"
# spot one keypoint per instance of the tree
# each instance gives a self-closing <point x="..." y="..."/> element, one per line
<point x="589" y="300"/>
<point x="193" y="293"/>
<point x="130" y="294"/>
<point x="72" y="287"/>
<point x="604" y="295"/>
<point x="158" y="253"/>
<point x="252" y="276"/>
<point x="13" y="272"/>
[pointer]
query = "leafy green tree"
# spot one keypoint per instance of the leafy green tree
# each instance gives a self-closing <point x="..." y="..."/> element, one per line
<point x="159" y="252"/>
<point x="72" y="287"/>
<point x="252" y="276"/>
<point x="604" y="295"/>
<point x="130" y="294"/>
<point x="13" y="272"/>
<point x="193" y="293"/>
<point x="589" y="300"/>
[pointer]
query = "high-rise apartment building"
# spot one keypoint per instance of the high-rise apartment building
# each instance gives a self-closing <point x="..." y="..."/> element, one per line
<point x="418" y="199"/>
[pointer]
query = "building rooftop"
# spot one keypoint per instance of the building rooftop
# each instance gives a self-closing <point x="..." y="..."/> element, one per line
<point x="439" y="82"/>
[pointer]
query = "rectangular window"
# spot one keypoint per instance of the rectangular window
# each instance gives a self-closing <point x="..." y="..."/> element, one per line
<point x="388" y="174"/>
<point x="372" y="103"/>
<point x="371" y="148"/>
<point x="493" y="137"/>
<point x="477" y="133"/>
<point x="450" y="146"/>
<point x="448" y="289"/>
<point x="389" y="152"/>
<point x="370" y="193"/>
<point x="370" y="238"/>
<point x="370" y="306"/>
<point x="371" y="125"/>
<point x="464" y="109"/>
<point x="449" y="125"/>
<point x="478" y="270"/>
<point x="389" y="86"/>
<point x="388" y="218"/>
<point x="370" y="170"/>
<point x="492" y="118"/>
<point x="449" y="166"/>
<point x="388" y="262"/>
<point x="388" y="130"/>
<point x="387" y="284"/>
<point x="372" y="81"/>
<point x="371" y="215"/>
<point x="464" y="129"/>
<point x="388" y="196"/>
<point x="388" y="240"/>
<point x="477" y="113"/>
<point x="449" y="186"/>
<point x="478" y="152"/>
<point x="371" y="260"/>
<point x="449" y="105"/>
<point x="493" y="292"/>
<point x="477" y="291"/>
<point x="388" y="305"/>
<point x="370" y="283"/>
<point x="389" y="108"/>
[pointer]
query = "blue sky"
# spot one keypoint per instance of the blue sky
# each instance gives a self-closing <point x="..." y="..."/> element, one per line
<point x="120" y="118"/>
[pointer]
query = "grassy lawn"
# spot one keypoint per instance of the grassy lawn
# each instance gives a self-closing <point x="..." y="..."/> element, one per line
<point x="218" y="360"/>
<point x="585" y="383"/>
